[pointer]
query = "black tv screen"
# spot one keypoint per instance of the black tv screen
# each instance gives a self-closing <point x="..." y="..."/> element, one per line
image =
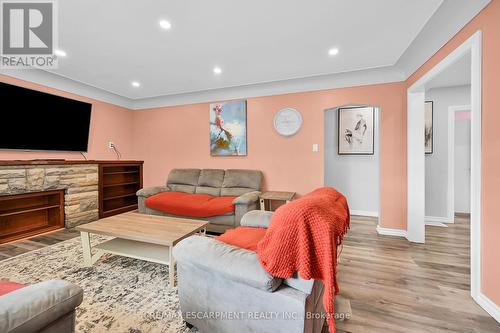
<point x="33" y="120"/>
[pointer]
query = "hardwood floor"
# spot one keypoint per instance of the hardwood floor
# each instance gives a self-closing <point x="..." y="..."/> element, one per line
<point x="392" y="285"/>
<point x="397" y="286"/>
<point x="16" y="248"/>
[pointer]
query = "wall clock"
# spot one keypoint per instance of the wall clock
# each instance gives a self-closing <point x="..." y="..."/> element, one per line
<point x="287" y="121"/>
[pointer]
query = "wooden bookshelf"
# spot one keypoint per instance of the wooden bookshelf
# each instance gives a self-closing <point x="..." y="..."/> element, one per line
<point x="118" y="183"/>
<point x="23" y="215"/>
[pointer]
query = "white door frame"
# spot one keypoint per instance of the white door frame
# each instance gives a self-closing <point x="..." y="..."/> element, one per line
<point x="416" y="157"/>
<point x="451" y="158"/>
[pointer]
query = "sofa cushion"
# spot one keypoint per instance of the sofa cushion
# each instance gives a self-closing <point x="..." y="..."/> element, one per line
<point x="236" y="191"/>
<point x="9" y="286"/>
<point x="242" y="178"/>
<point x="215" y="191"/>
<point x="182" y="188"/>
<point x="183" y="176"/>
<point x="243" y="237"/>
<point x="193" y="205"/>
<point x="226" y="261"/>
<point x="211" y="177"/>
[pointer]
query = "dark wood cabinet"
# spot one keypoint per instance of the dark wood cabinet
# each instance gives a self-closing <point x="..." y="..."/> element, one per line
<point x="23" y="215"/>
<point x="118" y="183"/>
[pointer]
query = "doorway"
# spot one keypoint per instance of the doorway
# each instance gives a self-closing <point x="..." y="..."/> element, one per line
<point x="416" y="153"/>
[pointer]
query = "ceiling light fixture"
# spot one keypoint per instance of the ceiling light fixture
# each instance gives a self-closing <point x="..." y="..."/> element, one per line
<point x="165" y="24"/>
<point x="333" y="51"/>
<point x="136" y="84"/>
<point x="59" y="53"/>
<point x="217" y="70"/>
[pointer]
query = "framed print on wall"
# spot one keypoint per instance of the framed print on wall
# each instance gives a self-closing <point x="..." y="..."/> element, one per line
<point x="228" y="128"/>
<point x="356" y="131"/>
<point x="429" y="127"/>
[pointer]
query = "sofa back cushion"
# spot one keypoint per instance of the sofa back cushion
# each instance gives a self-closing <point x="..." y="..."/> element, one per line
<point x="216" y="182"/>
<point x="183" y="180"/>
<point x="238" y="182"/>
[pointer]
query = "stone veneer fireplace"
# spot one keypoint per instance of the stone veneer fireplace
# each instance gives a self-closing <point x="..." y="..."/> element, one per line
<point x="79" y="182"/>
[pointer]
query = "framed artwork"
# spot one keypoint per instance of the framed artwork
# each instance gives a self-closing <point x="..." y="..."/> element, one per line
<point x="228" y="128"/>
<point x="429" y="127"/>
<point x="356" y="131"/>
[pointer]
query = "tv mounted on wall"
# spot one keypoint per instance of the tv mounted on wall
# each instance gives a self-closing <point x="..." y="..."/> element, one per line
<point x="33" y="120"/>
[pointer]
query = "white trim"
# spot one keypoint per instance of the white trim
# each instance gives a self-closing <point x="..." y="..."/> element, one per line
<point x="391" y="232"/>
<point x="451" y="157"/>
<point x="62" y="83"/>
<point x="416" y="167"/>
<point x="438" y="219"/>
<point x="446" y="22"/>
<point x="415" y="175"/>
<point x="428" y="41"/>
<point x="435" y="224"/>
<point x="378" y="75"/>
<point x="489" y="306"/>
<point x="364" y="213"/>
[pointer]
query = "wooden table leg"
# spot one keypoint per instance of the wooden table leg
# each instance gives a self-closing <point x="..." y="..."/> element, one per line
<point x="171" y="268"/>
<point x="87" y="254"/>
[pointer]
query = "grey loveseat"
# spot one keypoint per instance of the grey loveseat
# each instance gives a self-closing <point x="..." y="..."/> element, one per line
<point x="225" y="289"/>
<point x="245" y="184"/>
<point x="45" y="307"/>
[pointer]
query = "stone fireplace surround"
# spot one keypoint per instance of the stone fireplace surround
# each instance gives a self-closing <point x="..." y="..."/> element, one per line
<point x="80" y="182"/>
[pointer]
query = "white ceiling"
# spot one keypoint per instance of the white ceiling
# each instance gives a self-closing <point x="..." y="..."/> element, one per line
<point x="111" y="43"/>
<point x="458" y="74"/>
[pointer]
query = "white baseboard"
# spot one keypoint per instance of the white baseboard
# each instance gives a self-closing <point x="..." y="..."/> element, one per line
<point x="438" y="219"/>
<point x="391" y="232"/>
<point x="436" y="224"/>
<point x="364" y="213"/>
<point x="489" y="306"/>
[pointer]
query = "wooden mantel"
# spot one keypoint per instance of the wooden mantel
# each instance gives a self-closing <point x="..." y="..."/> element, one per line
<point x="62" y="162"/>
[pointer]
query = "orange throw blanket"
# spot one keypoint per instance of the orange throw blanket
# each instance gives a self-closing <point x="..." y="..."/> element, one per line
<point x="303" y="237"/>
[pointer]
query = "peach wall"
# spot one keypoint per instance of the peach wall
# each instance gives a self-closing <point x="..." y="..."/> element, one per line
<point x="109" y="123"/>
<point x="488" y="21"/>
<point x="177" y="137"/>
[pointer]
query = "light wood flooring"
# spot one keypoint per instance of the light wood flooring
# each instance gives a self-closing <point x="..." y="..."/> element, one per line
<point x="392" y="285"/>
<point x="397" y="286"/>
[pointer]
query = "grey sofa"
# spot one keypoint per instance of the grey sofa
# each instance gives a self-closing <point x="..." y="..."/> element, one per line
<point x="47" y="307"/>
<point x="245" y="184"/>
<point x="224" y="289"/>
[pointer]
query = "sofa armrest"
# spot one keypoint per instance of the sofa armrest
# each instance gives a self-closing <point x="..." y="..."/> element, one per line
<point x="150" y="191"/>
<point x="32" y="308"/>
<point x="257" y="219"/>
<point x="229" y="262"/>
<point x="248" y="198"/>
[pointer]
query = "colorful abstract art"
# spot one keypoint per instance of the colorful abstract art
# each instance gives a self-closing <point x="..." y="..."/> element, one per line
<point x="228" y="128"/>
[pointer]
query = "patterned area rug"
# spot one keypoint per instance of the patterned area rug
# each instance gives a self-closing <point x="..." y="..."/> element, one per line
<point x="120" y="294"/>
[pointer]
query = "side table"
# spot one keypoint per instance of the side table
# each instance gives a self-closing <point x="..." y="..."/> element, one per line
<point x="275" y="196"/>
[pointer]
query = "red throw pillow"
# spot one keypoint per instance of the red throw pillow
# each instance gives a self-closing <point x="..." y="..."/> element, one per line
<point x="8" y="286"/>
<point x="244" y="237"/>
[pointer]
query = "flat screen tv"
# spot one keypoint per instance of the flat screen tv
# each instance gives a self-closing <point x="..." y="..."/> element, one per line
<point x="33" y="120"/>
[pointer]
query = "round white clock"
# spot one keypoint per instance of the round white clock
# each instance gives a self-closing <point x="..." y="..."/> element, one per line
<point x="287" y="121"/>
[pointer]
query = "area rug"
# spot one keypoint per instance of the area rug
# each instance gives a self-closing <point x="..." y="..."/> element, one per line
<point x="120" y="294"/>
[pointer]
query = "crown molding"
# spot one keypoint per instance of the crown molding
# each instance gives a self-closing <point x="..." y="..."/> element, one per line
<point x="320" y="82"/>
<point x="59" y="82"/>
<point x="450" y="17"/>
<point x="446" y="22"/>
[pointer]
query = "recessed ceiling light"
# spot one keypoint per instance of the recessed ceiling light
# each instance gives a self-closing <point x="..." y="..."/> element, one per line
<point x="136" y="84"/>
<point x="217" y="70"/>
<point x="59" y="53"/>
<point x="333" y="51"/>
<point x="165" y="24"/>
